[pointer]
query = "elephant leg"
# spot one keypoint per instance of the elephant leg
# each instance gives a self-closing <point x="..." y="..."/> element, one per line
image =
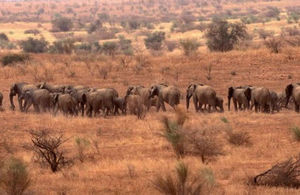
<point x="20" y="100"/>
<point x="240" y="106"/>
<point x="235" y="104"/>
<point x="163" y="106"/>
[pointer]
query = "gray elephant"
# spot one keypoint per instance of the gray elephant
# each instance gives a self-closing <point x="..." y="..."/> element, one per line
<point x="77" y="95"/>
<point x="202" y="95"/>
<point x="100" y="99"/>
<point x="39" y="98"/>
<point x="70" y="88"/>
<point x="19" y="89"/>
<point x="135" y="105"/>
<point x="275" y="101"/>
<point x="120" y="104"/>
<point x="144" y="92"/>
<point x="65" y="103"/>
<point x="165" y="93"/>
<point x="52" y="88"/>
<point x="240" y="100"/>
<point x="260" y="98"/>
<point x="293" y="90"/>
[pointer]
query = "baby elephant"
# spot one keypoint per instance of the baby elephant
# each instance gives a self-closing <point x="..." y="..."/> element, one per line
<point x="120" y="104"/>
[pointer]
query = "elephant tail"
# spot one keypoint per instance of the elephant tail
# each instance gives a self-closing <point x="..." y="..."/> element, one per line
<point x="230" y="94"/>
<point x="188" y="101"/>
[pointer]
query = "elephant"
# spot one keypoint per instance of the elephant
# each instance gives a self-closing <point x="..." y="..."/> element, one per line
<point x="52" y="88"/>
<point x="144" y="92"/>
<point x="293" y="90"/>
<point x="100" y="99"/>
<point x="65" y="103"/>
<point x="120" y="104"/>
<point x="165" y="93"/>
<point x="219" y="104"/>
<point x="39" y="98"/>
<point x="1" y="99"/>
<point x="260" y="98"/>
<point x="240" y="100"/>
<point x="275" y="101"/>
<point x="70" y="88"/>
<point x="202" y="94"/>
<point x="78" y="97"/>
<point x="135" y="105"/>
<point x="19" y="89"/>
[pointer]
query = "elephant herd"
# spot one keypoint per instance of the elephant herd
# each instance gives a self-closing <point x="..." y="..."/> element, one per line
<point x="79" y="99"/>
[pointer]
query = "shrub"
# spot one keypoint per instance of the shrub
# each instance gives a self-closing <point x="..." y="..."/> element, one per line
<point x="273" y="44"/>
<point x="62" y="24"/>
<point x="48" y="148"/>
<point x="7" y="45"/>
<point x="238" y="138"/>
<point x="14" y="178"/>
<point x="94" y="26"/>
<point x="32" y="31"/>
<point x="189" y="46"/>
<point x="171" y="45"/>
<point x="13" y="58"/>
<point x="65" y="46"/>
<point x="263" y="34"/>
<point x="154" y="40"/>
<point x="286" y="174"/>
<point x="110" y="48"/>
<point x="3" y="37"/>
<point x="272" y="12"/>
<point x="81" y="145"/>
<point x="185" y="182"/>
<point x="32" y="45"/>
<point x="296" y="131"/>
<point x="222" y="35"/>
<point x="125" y="45"/>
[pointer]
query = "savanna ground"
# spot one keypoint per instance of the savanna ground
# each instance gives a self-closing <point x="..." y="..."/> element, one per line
<point x="124" y="154"/>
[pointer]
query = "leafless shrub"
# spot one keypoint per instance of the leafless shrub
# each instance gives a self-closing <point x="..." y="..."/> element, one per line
<point x="293" y="41"/>
<point x="125" y="61"/>
<point x="285" y="174"/>
<point x="171" y="45"/>
<point x="263" y="34"/>
<point x="185" y="183"/>
<point x="103" y="70"/>
<point x="204" y="146"/>
<point x="47" y="147"/>
<point x="274" y="44"/>
<point x="15" y="178"/>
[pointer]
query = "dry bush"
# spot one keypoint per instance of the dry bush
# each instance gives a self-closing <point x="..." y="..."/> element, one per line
<point x="274" y="44"/>
<point x="15" y="178"/>
<point x="238" y="138"/>
<point x="185" y="182"/>
<point x="41" y="73"/>
<point x="48" y="147"/>
<point x="285" y="174"/>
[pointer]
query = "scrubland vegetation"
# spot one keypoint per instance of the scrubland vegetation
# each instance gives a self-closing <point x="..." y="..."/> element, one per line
<point x="122" y="43"/>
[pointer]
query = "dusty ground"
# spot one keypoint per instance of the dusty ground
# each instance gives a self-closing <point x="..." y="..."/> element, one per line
<point x="130" y="152"/>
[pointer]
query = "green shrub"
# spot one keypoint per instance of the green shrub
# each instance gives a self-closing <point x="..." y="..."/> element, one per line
<point x="222" y="35"/>
<point x="13" y="58"/>
<point x="14" y="178"/>
<point x="155" y="40"/>
<point x="296" y="131"/>
<point x="125" y="45"/>
<point x="110" y="48"/>
<point x="3" y="37"/>
<point x="6" y="45"/>
<point x="32" y="45"/>
<point x="185" y="182"/>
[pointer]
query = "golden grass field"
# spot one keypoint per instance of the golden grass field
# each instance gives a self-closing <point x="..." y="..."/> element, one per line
<point x="124" y="154"/>
<point x="131" y="152"/>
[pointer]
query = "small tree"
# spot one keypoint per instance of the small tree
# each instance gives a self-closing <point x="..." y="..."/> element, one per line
<point x="48" y="148"/>
<point x="32" y="45"/>
<point x="62" y="46"/>
<point x="222" y="35"/>
<point x="273" y="44"/>
<point x="154" y="40"/>
<point x="14" y="178"/>
<point x="125" y="45"/>
<point x="62" y="24"/>
<point x="189" y="46"/>
<point x="3" y="37"/>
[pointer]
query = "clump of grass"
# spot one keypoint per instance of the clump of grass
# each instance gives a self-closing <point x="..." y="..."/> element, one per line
<point x="224" y="120"/>
<point x="238" y="138"/>
<point x="82" y="144"/>
<point x="184" y="182"/>
<point x="15" y="178"/>
<point x="296" y="132"/>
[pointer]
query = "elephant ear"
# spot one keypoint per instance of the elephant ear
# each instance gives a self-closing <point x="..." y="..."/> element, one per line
<point x="128" y="92"/>
<point x="288" y="93"/>
<point x="248" y="93"/>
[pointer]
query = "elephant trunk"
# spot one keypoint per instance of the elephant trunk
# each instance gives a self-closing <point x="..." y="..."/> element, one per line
<point x="229" y="99"/>
<point x="11" y="101"/>
<point x="188" y="97"/>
